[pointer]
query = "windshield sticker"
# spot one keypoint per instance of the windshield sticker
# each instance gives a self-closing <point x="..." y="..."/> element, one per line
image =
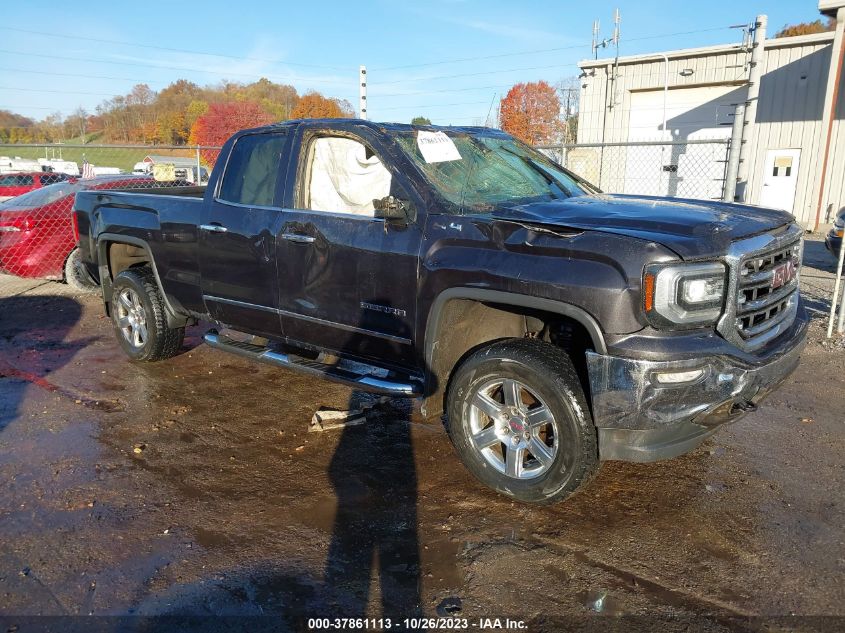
<point x="436" y="147"/>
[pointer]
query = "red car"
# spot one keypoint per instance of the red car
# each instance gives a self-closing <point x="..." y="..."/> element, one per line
<point x="16" y="184"/>
<point x="37" y="235"/>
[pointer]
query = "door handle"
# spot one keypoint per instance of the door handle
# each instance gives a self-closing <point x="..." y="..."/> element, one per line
<point x="213" y="228"/>
<point x="298" y="238"/>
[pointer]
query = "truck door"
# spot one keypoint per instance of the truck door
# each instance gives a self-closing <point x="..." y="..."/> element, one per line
<point x="238" y="236"/>
<point x="348" y="279"/>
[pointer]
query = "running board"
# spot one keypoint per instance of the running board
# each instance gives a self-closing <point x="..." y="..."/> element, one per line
<point x="406" y="388"/>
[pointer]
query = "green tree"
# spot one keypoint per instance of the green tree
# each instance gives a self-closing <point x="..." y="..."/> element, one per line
<point x="420" y="120"/>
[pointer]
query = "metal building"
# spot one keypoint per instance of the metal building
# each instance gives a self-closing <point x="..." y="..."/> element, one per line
<point x="775" y="98"/>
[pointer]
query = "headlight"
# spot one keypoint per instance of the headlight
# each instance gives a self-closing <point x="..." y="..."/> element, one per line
<point x="683" y="295"/>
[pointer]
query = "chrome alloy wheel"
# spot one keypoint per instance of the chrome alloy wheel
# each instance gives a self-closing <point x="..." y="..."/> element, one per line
<point x="512" y="428"/>
<point x="132" y="318"/>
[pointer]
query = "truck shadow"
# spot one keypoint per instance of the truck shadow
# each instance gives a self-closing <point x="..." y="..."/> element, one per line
<point x="372" y="564"/>
<point x="375" y="529"/>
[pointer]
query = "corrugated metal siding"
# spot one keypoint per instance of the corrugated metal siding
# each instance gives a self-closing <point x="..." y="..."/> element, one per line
<point x="835" y="186"/>
<point x="789" y="115"/>
<point x="719" y="67"/>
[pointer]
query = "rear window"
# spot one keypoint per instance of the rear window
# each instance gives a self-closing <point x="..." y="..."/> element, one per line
<point x="253" y="169"/>
<point x="15" y="180"/>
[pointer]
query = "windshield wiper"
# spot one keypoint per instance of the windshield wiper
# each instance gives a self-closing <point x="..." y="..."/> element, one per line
<point x="551" y="180"/>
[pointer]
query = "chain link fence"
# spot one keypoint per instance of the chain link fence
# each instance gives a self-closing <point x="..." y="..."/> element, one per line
<point x="38" y="184"/>
<point x="684" y="169"/>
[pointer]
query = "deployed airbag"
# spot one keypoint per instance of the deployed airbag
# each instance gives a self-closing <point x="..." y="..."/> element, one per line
<point x="344" y="179"/>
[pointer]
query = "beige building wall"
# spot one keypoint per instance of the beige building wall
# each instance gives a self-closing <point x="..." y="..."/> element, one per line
<point x="789" y="114"/>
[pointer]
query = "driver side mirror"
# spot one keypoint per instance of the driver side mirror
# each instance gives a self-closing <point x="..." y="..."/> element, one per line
<point x="392" y="208"/>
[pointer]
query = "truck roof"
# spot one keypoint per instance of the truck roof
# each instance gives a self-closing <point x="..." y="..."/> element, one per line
<point x="347" y="124"/>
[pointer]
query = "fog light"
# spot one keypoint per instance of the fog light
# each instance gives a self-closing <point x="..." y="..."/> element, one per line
<point x="678" y="377"/>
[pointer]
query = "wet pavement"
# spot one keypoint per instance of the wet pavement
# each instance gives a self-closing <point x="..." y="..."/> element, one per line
<point x="192" y="487"/>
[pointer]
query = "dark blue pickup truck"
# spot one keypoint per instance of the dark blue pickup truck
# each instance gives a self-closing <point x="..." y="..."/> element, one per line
<point x="554" y="325"/>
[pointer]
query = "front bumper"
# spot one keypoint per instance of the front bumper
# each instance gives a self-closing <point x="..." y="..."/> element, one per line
<point x="640" y="419"/>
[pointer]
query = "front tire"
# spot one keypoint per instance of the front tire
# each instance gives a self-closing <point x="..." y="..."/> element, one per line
<point x="519" y="420"/>
<point x="140" y="319"/>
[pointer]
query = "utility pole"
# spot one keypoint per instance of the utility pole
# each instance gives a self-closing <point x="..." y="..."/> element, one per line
<point x="755" y="72"/>
<point x="596" y="39"/>
<point x="617" y="18"/>
<point x="362" y="92"/>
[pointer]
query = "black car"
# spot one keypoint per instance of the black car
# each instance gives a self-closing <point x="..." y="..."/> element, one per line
<point x="833" y="241"/>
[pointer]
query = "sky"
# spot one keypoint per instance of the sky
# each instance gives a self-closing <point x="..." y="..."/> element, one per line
<point x="448" y="60"/>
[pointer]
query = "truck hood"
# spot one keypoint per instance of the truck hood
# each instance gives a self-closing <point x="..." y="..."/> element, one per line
<point x="692" y="228"/>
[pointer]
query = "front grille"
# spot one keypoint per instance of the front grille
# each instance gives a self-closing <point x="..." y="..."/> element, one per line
<point x="764" y="302"/>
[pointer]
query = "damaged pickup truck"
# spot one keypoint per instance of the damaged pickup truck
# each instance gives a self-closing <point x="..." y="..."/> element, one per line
<point x="554" y="325"/>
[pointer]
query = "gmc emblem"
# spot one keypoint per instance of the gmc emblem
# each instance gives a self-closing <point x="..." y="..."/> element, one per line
<point x="784" y="273"/>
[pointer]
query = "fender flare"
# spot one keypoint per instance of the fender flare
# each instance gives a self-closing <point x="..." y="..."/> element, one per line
<point x="174" y="319"/>
<point x="511" y="299"/>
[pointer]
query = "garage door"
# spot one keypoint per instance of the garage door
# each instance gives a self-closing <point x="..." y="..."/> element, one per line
<point x="682" y="170"/>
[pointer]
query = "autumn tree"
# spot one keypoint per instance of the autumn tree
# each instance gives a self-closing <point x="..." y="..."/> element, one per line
<point x="420" y="120"/>
<point x="806" y="28"/>
<point x="315" y="106"/>
<point x="224" y="119"/>
<point x="173" y="124"/>
<point x="12" y="119"/>
<point x="278" y="100"/>
<point x="531" y="113"/>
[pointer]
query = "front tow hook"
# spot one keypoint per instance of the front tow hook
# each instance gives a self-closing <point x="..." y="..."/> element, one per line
<point x="745" y="406"/>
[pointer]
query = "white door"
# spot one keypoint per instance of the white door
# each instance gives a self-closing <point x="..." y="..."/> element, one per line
<point x="780" y="179"/>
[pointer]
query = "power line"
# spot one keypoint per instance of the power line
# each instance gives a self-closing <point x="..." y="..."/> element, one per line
<point x="547" y="50"/>
<point x="26" y="107"/>
<point x="425" y="92"/>
<point x="171" y="50"/>
<point x="489" y="72"/>
<point x="180" y="68"/>
<point x="44" y="72"/>
<point x="434" y="105"/>
<point x="60" y="92"/>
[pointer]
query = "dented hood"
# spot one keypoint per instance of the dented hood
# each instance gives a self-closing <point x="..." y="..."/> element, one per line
<point x="691" y="228"/>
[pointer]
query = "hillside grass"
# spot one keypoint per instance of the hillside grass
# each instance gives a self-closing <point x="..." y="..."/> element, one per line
<point x="123" y="158"/>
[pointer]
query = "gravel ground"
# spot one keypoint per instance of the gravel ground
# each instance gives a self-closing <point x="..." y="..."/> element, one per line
<point x="193" y="487"/>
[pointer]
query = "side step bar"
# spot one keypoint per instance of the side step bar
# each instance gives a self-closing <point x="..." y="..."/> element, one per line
<point x="407" y="388"/>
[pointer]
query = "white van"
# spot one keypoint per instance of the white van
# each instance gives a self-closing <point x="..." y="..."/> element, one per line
<point x="12" y="165"/>
<point x="60" y="166"/>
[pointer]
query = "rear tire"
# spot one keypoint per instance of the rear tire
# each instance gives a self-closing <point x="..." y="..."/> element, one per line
<point x="77" y="276"/>
<point x="140" y="318"/>
<point x="519" y="420"/>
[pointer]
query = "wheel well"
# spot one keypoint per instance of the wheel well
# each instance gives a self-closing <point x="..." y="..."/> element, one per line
<point x="123" y="256"/>
<point x="465" y="325"/>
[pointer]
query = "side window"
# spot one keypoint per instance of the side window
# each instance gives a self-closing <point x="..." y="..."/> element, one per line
<point x="253" y="169"/>
<point x="345" y="176"/>
<point x="16" y="180"/>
